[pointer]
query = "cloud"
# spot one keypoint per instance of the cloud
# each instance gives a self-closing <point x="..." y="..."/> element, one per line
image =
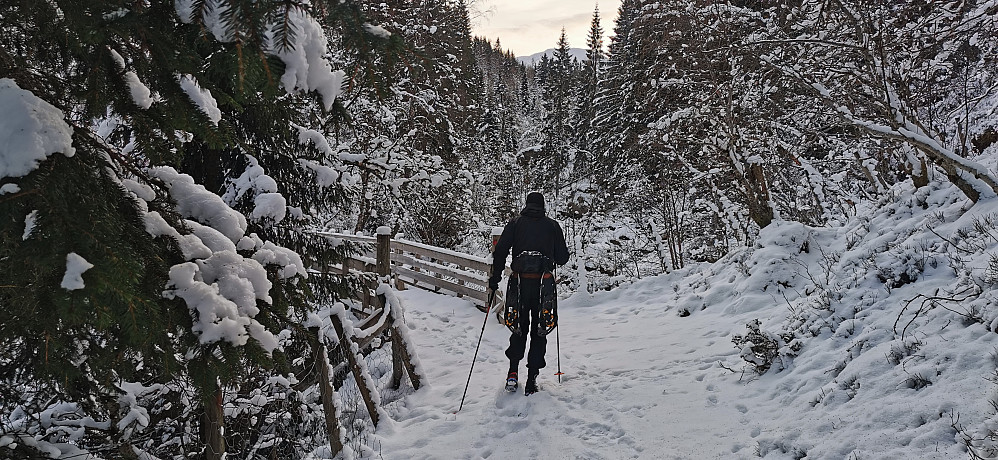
<point x="529" y="26"/>
<point x="548" y="22"/>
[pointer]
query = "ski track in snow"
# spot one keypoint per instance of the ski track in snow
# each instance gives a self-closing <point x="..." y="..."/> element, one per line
<point x="621" y="396"/>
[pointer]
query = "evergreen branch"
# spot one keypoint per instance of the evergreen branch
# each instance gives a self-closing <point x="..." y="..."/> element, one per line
<point x="266" y="68"/>
<point x="200" y="9"/>
<point x="11" y="196"/>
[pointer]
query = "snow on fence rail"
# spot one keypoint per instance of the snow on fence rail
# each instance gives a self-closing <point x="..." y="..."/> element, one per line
<point x="419" y="265"/>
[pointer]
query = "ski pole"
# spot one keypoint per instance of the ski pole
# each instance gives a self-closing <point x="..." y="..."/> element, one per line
<point x="557" y="339"/>
<point x="488" y="308"/>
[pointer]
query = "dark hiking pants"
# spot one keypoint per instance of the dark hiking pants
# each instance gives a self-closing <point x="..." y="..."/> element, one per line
<point x="529" y="301"/>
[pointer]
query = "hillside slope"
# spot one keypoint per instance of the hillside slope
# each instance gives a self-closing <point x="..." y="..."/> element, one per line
<point x="880" y="348"/>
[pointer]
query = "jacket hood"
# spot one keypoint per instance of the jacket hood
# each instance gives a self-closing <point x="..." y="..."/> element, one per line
<point x="533" y="210"/>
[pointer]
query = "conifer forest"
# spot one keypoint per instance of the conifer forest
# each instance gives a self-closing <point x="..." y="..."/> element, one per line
<point x="165" y="167"/>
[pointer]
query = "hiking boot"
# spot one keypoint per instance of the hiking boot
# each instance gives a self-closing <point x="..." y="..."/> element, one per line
<point x="531" y="386"/>
<point x="511" y="382"/>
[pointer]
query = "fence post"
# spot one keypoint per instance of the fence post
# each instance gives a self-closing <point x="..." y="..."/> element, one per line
<point x="384" y="269"/>
<point x="397" y="346"/>
<point x="384" y="251"/>
<point x="402" y="360"/>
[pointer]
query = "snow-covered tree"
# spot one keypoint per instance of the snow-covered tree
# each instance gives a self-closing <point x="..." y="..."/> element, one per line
<point x="159" y="162"/>
<point x="913" y="73"/>
<point x="423" y="124"/>
<point x="592" y="69"/>
<point x="549" y="167"/>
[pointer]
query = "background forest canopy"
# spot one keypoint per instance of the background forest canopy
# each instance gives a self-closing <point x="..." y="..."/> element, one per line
<point x="162" y="164"/>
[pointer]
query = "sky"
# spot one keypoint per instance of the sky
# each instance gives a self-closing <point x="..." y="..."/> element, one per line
<point x="531" y="26"/>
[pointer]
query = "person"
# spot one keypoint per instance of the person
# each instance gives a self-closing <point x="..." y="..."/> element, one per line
<point x="537" y="243"/>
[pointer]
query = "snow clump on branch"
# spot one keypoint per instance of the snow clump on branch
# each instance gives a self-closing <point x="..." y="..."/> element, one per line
<point x="30" y="131"/>
<point x="75" y="266"/>
<point x="220" y="286"/>
<point x="306" y="67"/>
<point x="201" y="98"/>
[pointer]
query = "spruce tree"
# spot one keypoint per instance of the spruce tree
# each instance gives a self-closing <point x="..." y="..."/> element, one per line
<point x="559" y="96"/>
<point x="609" y="123"/>
<point x="125" y="255"/>
<point x="591" y="73"/>
<point x="422" y="128"/>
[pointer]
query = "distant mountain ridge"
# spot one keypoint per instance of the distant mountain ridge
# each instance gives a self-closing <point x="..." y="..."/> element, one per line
<point x="578" y="53"/>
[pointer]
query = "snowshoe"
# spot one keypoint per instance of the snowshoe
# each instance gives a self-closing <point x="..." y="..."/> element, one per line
<point x="511" y="382"/>
<point x="549" y="307"/>
<point x="511" y="312"/>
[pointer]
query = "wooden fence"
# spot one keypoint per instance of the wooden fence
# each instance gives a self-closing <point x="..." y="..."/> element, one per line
<point x="404" y="263"/>
<point x="422" y="266"/>
<point x="381" y="321"/>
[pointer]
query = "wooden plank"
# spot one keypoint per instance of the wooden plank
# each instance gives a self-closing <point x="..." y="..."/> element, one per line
<point x="344" y="236"/>
<point x="443" y="284"/>
<point x="360" y="265"/>
<point x="445" y="271"/>
<point x="362" y="343"/>
<point x="436" y="280"/>
<point x="351" y="265"/>
<point x="398" y="368"/>
<point x="358" y="374"/>
<point x="404" y="357"/>
<point x="371" y="319"/>
<point x="326" y="393"/>
<point x="414" y="376"/>
<point x="465" y="261"/>
<point x="478" y="301"/>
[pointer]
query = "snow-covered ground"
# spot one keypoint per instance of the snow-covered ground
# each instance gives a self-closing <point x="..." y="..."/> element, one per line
<point x="870" y="365"/>
<point x="639" y="382"/>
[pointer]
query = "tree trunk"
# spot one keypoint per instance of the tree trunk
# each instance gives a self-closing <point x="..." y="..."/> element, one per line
<point x="757" y="194"/>
<point x="922" y="178"/>
<point x="960" y="174"/>
<point x="214" y="420"/>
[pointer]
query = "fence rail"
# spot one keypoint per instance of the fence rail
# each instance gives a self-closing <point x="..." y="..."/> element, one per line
<point x="422" y="266"/>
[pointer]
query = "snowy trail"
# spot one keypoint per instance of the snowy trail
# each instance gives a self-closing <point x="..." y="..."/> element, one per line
<point x="643" y="382"/>
<point x="624" y="395"/>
